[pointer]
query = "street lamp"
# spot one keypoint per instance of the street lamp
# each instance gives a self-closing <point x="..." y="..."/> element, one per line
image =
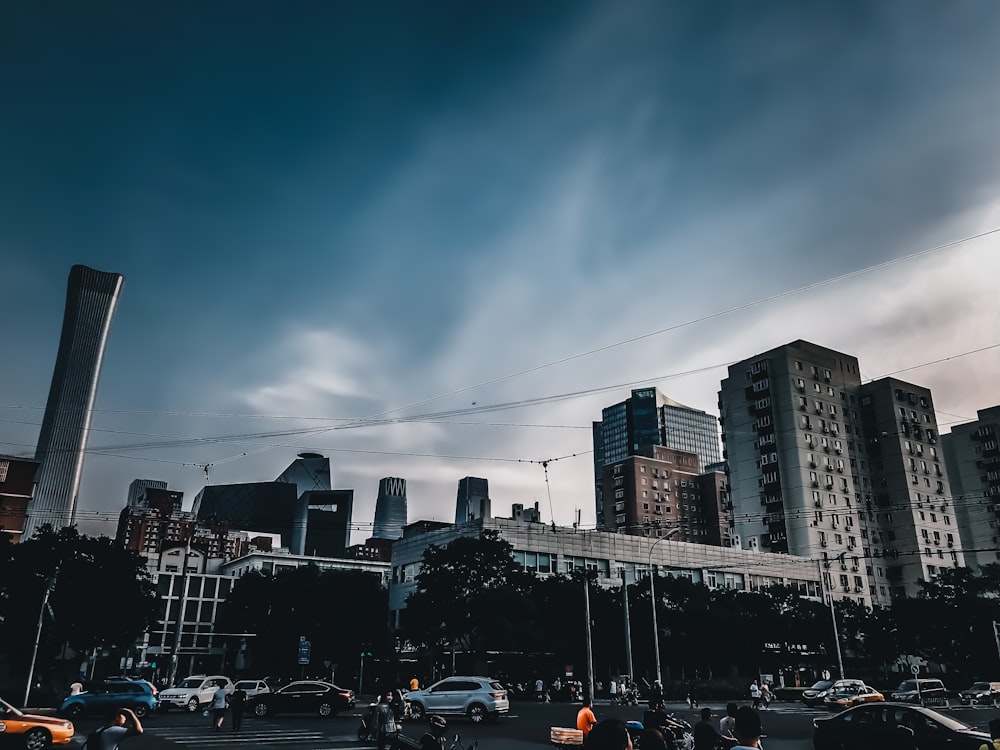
<point x="833" y="613"/>
<point x="652" y="599"/>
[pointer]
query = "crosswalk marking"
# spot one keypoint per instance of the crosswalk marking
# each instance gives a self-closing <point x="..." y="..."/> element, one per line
<point x="272" y="735"/>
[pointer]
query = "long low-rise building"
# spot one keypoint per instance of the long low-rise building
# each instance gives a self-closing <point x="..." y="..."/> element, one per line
<point x="549" y="550"/>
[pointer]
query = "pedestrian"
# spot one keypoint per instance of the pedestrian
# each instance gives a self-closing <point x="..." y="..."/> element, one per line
<point x="220" y="699"/>
<point x="237" y="703"/>
<point x="728" y="723"/>
<point x="747" y="729"/>
<point x="608" y="734"/>
<point x="656" y="696"/>
<point x="706" y="737"/>
<point x="556" y="687"/>
<point x="755" y="694"/>
<point x="385" y="720"/>
<point x="539" y="690"/>
<point x="692" y="699"/>
<point x="114" y="730"/>
<point x="414" y="683"/>
<point x="434" y="737"/>
<point x="585" y="718"/>
<point x="76" y="687"/>
<point x="765" y="695"/>
<point x="613" y="690"/>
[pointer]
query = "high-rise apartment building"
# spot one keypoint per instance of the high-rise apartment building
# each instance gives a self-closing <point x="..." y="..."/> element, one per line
<point x="909" y="529"/>
<point x="647" y="419"/>
<point x="390" y="508"/>
<point x="91" y="299"/>
<point x="473" y="500"/>
<point x="847" y="474"/>
<point x="972" y="455"/>
<point x="17" y="482"/>
<point x="137" y="490"/>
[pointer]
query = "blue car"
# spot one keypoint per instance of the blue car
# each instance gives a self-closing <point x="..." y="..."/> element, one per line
<point x="108" y="695"/>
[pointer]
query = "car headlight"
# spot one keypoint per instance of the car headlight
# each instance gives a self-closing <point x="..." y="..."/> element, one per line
<point x="821" y="694"/>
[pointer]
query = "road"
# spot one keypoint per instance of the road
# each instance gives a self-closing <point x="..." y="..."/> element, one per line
<point x="788" y="726"/>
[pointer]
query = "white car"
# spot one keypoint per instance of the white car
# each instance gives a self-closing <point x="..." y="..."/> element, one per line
<point x="252" y="687"/>
<point x="194" y="692"/>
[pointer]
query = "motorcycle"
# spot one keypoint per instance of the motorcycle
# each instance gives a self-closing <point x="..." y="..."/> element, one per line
<point x="367" y="731"/>
<point x="677" y="730"/>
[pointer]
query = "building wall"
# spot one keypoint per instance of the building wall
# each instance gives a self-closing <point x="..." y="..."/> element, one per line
<point x="972" y="458"/>
<point x="17" y="483"/>
<point x="543" y="551"/>
<point x="390" y="508"/>
<point x="91" y="299"/>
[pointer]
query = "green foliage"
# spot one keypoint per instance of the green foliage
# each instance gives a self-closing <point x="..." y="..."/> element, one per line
<point x="469" y="591"/>
<point x="100" y="594"/>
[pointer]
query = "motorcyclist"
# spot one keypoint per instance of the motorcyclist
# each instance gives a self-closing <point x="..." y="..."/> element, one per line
<point x="434" y="737"/>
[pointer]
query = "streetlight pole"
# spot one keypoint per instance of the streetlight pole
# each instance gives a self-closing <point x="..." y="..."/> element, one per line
<point x="628" y="628"/>
<point x="50" y="584"/>
<point x="652" y="599"/>
<point x="175" y="647"/>
<point x="833" y="616"/>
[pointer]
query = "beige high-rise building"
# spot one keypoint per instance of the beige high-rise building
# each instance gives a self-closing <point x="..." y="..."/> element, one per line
<point x="820" y="466"/>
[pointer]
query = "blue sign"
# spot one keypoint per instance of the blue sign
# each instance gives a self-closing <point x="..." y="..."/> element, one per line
<point x="305" y="649"/>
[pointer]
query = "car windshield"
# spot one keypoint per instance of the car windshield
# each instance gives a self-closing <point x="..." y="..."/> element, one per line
<point x="907" y="685"/>
<point x="980" y="686"/>
<point x="191" y="682"/>
<point x="822" y="685"/>
<point x="246" y="685"/>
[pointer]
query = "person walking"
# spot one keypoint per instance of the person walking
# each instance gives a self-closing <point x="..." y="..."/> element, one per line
<point x="237" y="704"/>
<point x="539" y="690"/>
<point x="114" y="730"/>
<point x="220" y="699"/>
<point x="755" y="694"/>
<point x="385" y="720"/>
<point x="692" y="698"/>
<point x="585" y="718"/>
<point x="728" y="723"/>
<point x="414" y="683"/>
<point x="765" y="695"/>
<point x="656" y="696"/>
<point x="613" y="691"/>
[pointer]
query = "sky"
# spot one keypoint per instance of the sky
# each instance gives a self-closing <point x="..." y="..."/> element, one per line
<point x="433" y="240"/>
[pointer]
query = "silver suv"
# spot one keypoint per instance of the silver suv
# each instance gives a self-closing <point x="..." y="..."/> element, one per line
<point x="194" y="692"/>
<point x="476" y="697"/>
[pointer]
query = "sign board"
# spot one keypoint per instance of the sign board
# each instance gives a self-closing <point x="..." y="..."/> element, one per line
<point x="915" y="669"/>
<point x="305" y="649"/>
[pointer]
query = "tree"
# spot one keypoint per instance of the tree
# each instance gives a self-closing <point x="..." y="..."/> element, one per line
<point x="336" y="610"/>
<point x="470" y="592"/>
<point x="100" y="595"/>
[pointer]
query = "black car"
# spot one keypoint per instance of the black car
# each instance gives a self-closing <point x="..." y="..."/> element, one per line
<point x="877" y="726"/>
<point x="304" y="696"/>
<point x="814" y="695"/>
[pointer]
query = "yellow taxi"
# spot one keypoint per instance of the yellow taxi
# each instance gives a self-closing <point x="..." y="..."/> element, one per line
<point x="37" y="732"/>
<point x="851" y="695"/>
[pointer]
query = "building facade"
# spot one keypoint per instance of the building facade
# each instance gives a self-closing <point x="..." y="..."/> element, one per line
<point x="390" y="508"/>
<point x="822" y="466"/>
<point x="17" y="483"/>
<point x="647" y="419"/>
<point x="91" y="299"/>
<point x="972" y="458"/>
<point x="615" y="558"/>
<point x="473" y="499"/>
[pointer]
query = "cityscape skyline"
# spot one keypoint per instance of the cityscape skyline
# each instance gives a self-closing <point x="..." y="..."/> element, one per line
<point x="540" y="211"/>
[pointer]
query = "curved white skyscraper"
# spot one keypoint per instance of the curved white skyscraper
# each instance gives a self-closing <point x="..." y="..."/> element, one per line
<point x="91" y="299"/>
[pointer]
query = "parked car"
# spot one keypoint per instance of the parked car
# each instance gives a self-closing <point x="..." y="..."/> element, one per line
<point x="876" y="726"/>
<point x="304" y="696"/>
<point x="476" y="697"/>
<point x="104" y="696"/>
<point x="845" y="696"/>
<point x="37" y="732"/>
<point x="981" y="692"/>
<point x="927" y="691"/>
<point x="814" y="695"/>
<point x="194" y="692"/>
<point x="252" y="688"/>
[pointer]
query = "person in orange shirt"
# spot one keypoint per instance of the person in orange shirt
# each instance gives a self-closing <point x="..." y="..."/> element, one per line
<point x="585" y="718"/>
